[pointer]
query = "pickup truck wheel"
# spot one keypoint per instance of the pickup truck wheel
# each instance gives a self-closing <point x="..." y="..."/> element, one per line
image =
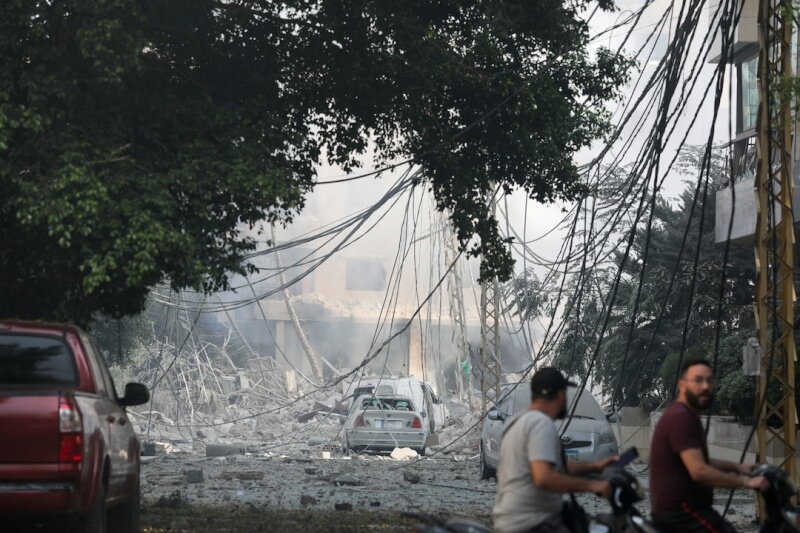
<point x="95" y="521"/>
<point x="125" y="518"/>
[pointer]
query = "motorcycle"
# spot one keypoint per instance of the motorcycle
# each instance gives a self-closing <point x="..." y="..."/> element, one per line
<point x="780" y="515"/>
<point x="624" y="517"/>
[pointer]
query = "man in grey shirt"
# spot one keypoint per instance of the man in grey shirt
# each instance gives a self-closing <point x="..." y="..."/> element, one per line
<point x="530" y="477"/>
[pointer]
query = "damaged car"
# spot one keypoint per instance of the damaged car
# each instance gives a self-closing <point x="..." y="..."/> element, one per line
<point x="383" y="423"/>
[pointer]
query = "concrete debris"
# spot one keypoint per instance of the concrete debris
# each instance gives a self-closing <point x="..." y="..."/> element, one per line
<point x="305" y="417"/>
<point x="253" y="475"/>
<point x="411" y="477"/>
<point x="167" y="479"/>
<point x="222" y="450"/>
<point x="297" y="460"/>
<point x="165" y="447"/>
<point x="403" y="454"/>
<point x="347" y="480"/>
<point x="306" y="500"/>
<point x="317" y="441"/>
<point x="343" y="506"/>
<point x="194" y="476"/>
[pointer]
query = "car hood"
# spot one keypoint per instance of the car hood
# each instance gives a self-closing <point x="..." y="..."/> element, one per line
<point x="583" y="425"/>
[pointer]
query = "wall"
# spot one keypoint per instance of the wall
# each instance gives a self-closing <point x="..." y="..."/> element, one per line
<point x="725" y="439"/>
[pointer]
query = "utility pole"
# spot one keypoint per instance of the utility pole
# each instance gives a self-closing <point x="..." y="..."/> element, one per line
<point x="490" y="338"/>
<point x="774" y="245"/>
<point x="458" y="324"/>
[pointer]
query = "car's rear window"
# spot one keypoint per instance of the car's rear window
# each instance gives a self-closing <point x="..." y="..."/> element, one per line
<point x="397" y="404"/>
<point x="35" y="360"/>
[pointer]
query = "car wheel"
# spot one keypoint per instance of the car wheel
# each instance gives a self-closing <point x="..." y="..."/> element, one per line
<point x="487" y="472"/>
<point x="421" y="451"/>
<point x="125" y="518"/>
<point x="95" y="521"/>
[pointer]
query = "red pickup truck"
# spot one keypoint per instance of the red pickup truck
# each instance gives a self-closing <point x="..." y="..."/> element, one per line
<point x="68" y="454"/>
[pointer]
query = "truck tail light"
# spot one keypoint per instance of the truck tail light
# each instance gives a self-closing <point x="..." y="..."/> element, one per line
<point x="360" y="422"/>
<point x="417" y="423"/>
<point x="70" y="431"/>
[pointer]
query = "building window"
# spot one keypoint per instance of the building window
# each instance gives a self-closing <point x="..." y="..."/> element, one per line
<point x="748" y="72"/>
<point x="365" y="275"/>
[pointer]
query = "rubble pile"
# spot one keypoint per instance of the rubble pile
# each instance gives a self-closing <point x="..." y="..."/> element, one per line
<point x="200" y="398"/>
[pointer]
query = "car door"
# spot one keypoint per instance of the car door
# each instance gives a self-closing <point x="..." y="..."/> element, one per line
<point x="119" y="431"/>
<point x="429" y="409"/>
<point x="437" y="409"/>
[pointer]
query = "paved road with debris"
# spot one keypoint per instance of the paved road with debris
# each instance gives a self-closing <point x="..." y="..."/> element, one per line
<point x="447" y="484"/>
<point x="304" y="476"/>
<point x="189" y="492"/>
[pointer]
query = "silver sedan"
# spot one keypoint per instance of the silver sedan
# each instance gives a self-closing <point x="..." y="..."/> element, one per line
<point x="381" y="424"/>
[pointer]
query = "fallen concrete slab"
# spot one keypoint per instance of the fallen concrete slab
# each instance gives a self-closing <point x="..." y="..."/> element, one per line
<point x="223" y="450"/>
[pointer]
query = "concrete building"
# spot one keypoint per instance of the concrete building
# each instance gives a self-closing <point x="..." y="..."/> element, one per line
<point x="353" y="302"/>
<point x="742" y="191"/>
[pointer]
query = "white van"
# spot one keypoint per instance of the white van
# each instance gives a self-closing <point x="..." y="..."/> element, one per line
<point x="433" y="409"/>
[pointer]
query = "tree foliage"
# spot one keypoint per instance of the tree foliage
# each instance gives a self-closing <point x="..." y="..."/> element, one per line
<point x="138" y="137"/>
<point x="119" y="338"/>
<point x="527" y="296"/>
<point x="649" y="351"/>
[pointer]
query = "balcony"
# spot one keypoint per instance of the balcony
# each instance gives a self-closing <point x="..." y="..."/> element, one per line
<point x="743" y="190"/>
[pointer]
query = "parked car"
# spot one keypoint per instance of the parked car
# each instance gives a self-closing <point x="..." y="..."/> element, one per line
<point x="383" y="423"/>
<point x="68" y="454"/>
<point x="588" y="437"/>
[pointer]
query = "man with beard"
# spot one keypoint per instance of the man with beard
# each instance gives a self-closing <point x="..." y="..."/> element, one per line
<point x="682" y="476"/>
<point x="531" y="477"/>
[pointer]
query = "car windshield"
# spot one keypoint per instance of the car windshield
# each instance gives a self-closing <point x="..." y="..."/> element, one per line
<point x="587" y="405"/>
<point x="392" y="404"/>
<point x="34" y="360"/>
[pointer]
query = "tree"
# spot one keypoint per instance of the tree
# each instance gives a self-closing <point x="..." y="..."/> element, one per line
<point x="527" y="296"/>
<point x="137" y="137"/>
<point x="119" y="338"/>
<point x="649" y="351"/>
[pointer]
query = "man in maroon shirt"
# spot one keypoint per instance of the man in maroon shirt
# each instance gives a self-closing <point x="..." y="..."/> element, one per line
<point x="682" y="476"/>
